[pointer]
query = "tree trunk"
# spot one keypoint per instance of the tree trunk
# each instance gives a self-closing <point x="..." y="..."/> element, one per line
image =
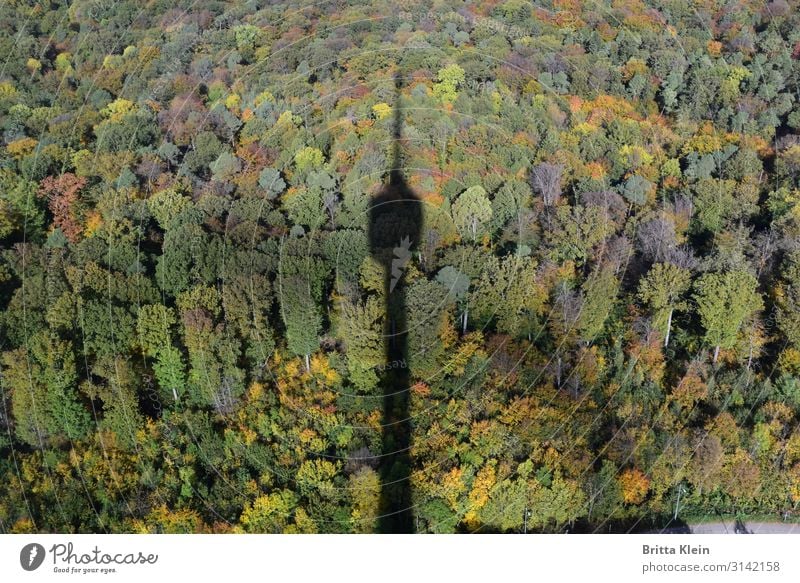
<point x="669" y="325"/>
<point x="716" y="353"/>
<point x="464" y="321"/>
<point x="308" y="363"/>
<point x="558" y="373"/>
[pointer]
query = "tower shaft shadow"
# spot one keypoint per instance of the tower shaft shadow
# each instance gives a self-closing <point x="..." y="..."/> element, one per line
<point x="395" y="220"/>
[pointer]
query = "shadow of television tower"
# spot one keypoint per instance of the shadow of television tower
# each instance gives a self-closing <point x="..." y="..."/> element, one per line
<point x="395" y="220"/>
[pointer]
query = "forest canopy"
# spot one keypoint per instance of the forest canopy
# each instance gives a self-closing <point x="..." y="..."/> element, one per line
<point x="603" y="302"/>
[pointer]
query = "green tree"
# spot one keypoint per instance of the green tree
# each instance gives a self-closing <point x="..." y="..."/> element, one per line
<point x="271" y="513"/>
<point x="507" y="506"/>
<point x="599" y="296"/>
<point x="308" y="158"/>
<point x="153" y="326"/>
<point x="301" y="317"/>
<point x="427" y="308"/>
<point x="300" y="293"/>
<point x="182" y="247"/>
<point x="305" y="207"/>
<point x="247" y="37"/>
<point x="450" y="78"/>
<point x="169" y="369"/>
<point x="167" y="204"/>
<point x="471" y="212"/>
<point x="715" y="202"/>
<point x="662" y="290"/>
<point x="361" y="329"/>
<point x="508" y="294"/>
<point x="42" y="380"/>
<point x="724" y="301"/>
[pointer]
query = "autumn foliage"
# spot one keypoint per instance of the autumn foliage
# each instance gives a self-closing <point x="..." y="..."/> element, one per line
<point x="62" y="195"/>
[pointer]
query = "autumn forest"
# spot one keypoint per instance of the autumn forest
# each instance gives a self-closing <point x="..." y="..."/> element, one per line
<point x="358" y="266"/>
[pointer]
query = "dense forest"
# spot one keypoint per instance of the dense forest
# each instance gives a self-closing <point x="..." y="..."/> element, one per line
<point x="602" y="302"/>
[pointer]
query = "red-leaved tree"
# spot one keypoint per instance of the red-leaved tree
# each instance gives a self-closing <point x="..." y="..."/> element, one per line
<point x="61" y="193"/>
